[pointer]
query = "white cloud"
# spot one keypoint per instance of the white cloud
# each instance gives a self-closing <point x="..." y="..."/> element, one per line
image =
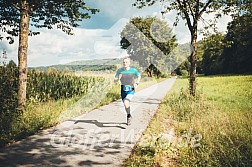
<point x="54" y="46"/>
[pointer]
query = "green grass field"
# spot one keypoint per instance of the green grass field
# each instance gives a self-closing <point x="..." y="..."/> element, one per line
<point x="212" y="129"/>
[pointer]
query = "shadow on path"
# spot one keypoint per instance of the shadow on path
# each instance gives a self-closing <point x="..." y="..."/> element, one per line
<point x="101" y="124"/>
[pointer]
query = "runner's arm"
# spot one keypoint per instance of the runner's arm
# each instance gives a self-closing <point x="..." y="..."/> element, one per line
<point x="117" y="79"/>
<point x="138" y="79"/>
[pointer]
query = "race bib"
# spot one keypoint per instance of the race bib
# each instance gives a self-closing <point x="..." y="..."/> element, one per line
<point x="127" y="88"/>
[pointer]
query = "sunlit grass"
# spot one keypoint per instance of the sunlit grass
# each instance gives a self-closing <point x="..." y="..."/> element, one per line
<point x="230" y="92"/>
<point x="212" y="129"/>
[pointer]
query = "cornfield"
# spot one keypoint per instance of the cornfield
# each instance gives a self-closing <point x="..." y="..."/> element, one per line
<point x="44" y="86"/>
<point x="41" y="87"/>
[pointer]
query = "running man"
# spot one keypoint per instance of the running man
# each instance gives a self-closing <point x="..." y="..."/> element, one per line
<point x="129" y="78"/>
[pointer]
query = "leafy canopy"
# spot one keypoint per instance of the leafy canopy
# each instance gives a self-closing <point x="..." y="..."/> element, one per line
<point x="151" y="41"/>
<point x="63" y="14"/>
<point x="192" y="10"/>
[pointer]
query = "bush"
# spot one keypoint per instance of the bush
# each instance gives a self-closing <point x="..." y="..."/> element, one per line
<point x="8" y="96"/>
<point x="164" y="75"/>
<point x="184" y="72"/>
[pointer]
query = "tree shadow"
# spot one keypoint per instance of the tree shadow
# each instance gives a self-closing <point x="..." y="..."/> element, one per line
<point x="146" y="100"/>
<point x="64" y="149"/>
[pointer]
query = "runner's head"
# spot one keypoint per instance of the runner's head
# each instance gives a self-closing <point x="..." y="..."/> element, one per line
<point x="126" y="62"/>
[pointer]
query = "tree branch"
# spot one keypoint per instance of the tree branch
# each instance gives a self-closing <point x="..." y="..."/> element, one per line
<point x="190" y="8"/>
<point x="15" y="6"/>
<point x="197" y="10"/>
<point x="183" y="9"/>
<point x="205" y="7"/>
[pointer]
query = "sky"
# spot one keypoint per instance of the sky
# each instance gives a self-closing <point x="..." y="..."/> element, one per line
<point x="95" y="38"/>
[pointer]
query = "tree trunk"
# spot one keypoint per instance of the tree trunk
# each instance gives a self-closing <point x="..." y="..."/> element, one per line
<point x="22" y="54"/>
<point x="193" y="60"/>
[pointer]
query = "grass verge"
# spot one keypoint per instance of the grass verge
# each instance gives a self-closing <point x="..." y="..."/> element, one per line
<point x="212" y="129"/>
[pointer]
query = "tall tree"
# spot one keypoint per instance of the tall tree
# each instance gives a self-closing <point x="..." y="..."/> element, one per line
<point x="238" y="51"/>
<point x="192" y="11"/>
<point x="213" y="52"/>
<point x="149" y="41"/>
<point x="18" y="15"/>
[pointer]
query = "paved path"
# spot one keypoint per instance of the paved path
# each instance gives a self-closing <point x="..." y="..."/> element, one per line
<point x="98" y="138"/>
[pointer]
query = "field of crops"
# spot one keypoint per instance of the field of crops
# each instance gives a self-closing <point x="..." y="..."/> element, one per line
<point x="42" y="87"/>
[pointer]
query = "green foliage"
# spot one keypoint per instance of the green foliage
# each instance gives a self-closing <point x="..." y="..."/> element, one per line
<point x="43" y="14"/>
<point x="45" y="86"/>
<point x="8" y="87"/>
<point x="230" y="53"/>
<point x="151" y="42"/>
<point x="184" y="73"/>
<point x="99" y="67"/>
<point x="195" y="8"/>
<point x="112" y="95"/>
<point x="237" y="54"/>
<point x="200" y="52"/>
<point x="77" y="68"/>
<point x="164" y="75"/>
<point x="182" y="53"/>
<point x="212" y="56"/>
<point x="8" y="96"/>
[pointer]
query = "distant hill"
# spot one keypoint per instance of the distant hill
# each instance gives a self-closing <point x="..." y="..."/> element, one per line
<point x="85" y="65"/>
<point x="114" y="61"/>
